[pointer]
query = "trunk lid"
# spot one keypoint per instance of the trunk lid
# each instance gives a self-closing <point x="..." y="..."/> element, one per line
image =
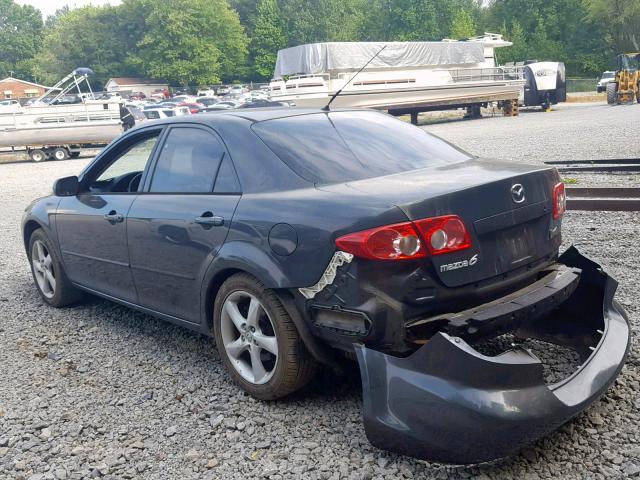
<point x="506" y="207"/>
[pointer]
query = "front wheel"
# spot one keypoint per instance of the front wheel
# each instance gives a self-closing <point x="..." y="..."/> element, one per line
<point x="258" y="341"/>
<point x="50" y="279"/>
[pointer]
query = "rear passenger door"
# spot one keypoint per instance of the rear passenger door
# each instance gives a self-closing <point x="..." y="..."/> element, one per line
<point x="180" y="220"/>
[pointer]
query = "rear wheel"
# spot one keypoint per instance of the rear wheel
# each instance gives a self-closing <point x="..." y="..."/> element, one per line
<point x="37" y="155"/>
<point x="52" y="282"/>
<point x="611" y="93"/>
<point x="60" y="153"/>
<point x="258" y="341"/>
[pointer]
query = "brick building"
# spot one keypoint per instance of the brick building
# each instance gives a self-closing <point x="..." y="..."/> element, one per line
<point x="14" y="88"/>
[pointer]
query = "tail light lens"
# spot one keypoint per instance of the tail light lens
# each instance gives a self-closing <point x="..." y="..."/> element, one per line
<point x="444" y="234"/>
<point x="559" y="201"/>
<point x="391" y="242"/>
<point x="430" y="236"/>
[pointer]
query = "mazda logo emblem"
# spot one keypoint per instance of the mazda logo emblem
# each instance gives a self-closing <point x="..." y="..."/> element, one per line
<point x="517" y="193"/>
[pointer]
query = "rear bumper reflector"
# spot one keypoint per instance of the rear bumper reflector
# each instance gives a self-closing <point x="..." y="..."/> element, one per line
<point x="449" y="403"/>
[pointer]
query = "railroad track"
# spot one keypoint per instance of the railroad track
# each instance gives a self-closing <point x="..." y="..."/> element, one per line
<point x="612" y="199"/>
<point x="609" y="165"/>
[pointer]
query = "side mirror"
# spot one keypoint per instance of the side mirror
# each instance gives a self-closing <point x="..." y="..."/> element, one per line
<point x="66" y="187"/>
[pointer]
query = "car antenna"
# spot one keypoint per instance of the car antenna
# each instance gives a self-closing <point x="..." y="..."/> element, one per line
<point x="326" y="107"/>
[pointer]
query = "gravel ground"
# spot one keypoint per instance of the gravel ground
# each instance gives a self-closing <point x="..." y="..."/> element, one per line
<point x="100" y="390"/>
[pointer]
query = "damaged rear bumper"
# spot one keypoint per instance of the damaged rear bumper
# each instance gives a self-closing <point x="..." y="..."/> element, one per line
<point x="447" y="402"/>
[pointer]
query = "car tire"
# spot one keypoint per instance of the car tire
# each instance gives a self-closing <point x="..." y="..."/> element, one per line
<point x="611" y="93"/>
<point x="240" y="340"/>
<point x="48" y="273"/>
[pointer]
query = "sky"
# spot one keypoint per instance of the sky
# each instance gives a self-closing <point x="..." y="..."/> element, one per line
<point x="48" y="7"/>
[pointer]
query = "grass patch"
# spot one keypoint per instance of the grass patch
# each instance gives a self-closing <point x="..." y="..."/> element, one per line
<point x="570" y="181"/>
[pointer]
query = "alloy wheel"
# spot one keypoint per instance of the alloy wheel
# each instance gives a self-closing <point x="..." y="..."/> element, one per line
<point x="249" y="337"/>
<point x="43" y="269"/>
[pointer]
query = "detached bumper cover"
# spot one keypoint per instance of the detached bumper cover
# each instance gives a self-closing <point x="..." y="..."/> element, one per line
<point x="447" y="402"/>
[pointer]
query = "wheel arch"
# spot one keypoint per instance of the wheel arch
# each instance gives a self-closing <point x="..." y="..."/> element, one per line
<point x="236" y="257"/>
<point x="29" y="227"/>
<point x="212" y="286"/>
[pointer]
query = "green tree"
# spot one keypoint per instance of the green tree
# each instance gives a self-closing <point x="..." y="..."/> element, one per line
<point x="559" y="30"/>
<point x="84" y="37"/>
<point x="248" y="12"/>
<point x="20" y="38"/>
<point x="52" y="20"/>
<point x="622" y="19"/>
<point x="190" y="42"/>
<point x="519" y="50"/>
<point x="462" y="25"/>
<point x="268" y="38"/>
<point x="309" y="21"/>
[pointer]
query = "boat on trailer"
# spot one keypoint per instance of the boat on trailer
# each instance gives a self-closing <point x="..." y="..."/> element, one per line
<point x="49" y="122"/>
<point x="402" y="77"/>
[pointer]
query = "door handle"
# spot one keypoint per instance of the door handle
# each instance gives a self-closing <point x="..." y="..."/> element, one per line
<point x="209" y="219"/>
<point x="113" y="217"/>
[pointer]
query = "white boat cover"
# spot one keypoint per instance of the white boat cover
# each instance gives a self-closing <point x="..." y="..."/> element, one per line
<point x="329" y="57"/>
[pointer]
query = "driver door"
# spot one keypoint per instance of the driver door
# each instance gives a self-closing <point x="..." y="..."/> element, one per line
<point x="92" y="225"/>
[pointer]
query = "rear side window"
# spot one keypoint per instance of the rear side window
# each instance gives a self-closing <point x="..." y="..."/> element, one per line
<point x="345" y="146"/>
<point x="188" y="162"/>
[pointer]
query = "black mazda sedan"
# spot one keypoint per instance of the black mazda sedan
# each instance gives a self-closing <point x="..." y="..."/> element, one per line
<point x="296" y="237"/>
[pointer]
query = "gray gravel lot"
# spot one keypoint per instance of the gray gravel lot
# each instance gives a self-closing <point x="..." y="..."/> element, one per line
<point x="100" y="390"/>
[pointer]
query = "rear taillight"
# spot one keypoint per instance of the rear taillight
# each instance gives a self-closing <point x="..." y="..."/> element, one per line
<point x="391" y="242"/>
<point x="559" y="201"/>
<point x="401" y="241"/>
<point x="444" y="234"/>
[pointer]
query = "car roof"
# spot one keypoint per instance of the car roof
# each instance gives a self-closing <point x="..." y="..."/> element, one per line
<point x="271" y="113"/>
<point x="221" y="118"/>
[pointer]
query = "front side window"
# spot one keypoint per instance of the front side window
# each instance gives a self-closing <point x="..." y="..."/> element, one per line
<point x="123" y="174"/>
<point x="188" y="162"/>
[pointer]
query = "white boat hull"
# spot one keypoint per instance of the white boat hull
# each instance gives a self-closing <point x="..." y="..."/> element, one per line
<point x="412" y="97"/>
<point x="85" y="123"/>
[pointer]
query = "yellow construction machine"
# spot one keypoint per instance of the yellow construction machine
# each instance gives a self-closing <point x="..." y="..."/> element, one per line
<point x="626" y="86"/>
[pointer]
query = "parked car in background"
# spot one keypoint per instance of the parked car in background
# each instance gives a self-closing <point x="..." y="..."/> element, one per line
<point x="185" y="98"/>
<point x="161" y="112"/>
<point x="161" y="94"/>
<point x="237" y="91"/>
<point x="10" y="106"/>
<point x="137" y="96"/>
<point x="207" y="101"/>
<point x="223" y="90"/>
<point x="607" y="77"/>
<point x="208" y="92"/>
<point x="294" y="237"/>
<point x="225" y="105"/>
<point x="192" y="106"/>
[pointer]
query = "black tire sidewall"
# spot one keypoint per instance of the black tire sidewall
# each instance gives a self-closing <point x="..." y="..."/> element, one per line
<point x="271" y="389"/>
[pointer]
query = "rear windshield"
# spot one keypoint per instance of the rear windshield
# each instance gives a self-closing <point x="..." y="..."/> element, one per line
<point x="345" y="146"/>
